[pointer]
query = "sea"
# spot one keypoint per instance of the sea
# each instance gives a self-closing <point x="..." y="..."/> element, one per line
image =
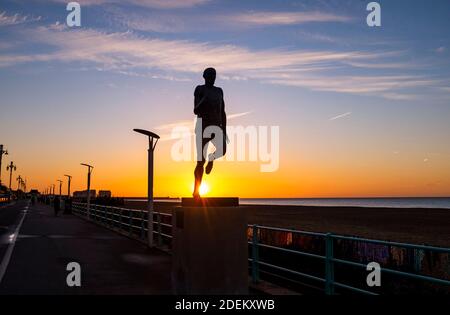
<point x="426" y="203"/>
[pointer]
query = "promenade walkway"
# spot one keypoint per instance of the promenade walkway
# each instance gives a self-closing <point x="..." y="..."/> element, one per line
<point x="110" y="263"/>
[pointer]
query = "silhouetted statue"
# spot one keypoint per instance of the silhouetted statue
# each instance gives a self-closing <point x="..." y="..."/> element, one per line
<point x="209" y="107"/>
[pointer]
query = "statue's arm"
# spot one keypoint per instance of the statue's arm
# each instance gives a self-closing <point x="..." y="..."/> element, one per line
<point x="224" y="116"/>
<point x="197" y="100"/>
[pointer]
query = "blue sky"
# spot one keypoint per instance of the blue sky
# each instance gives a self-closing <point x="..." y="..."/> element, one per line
<point x="333" y="84"/>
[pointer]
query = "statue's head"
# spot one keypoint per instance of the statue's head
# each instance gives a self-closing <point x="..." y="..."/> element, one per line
<point x="210" y="76"/>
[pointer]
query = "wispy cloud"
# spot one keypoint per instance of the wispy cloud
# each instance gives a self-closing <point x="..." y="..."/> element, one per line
<point x="161" y="4"/>
<point x="340" y="116"/>
<point x="378" y="65"/>
<point x="127" y="53"/>
<point x="237" y="115"/>
<point x="286" y="18"/>
<point x="400" y="96"/>
<point x="118" y="50"/>
<point x="6" y="20"/>
<point x="170" y="21"/>
<point x="390" y="87"/>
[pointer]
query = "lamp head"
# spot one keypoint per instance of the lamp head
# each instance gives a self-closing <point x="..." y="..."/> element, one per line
<point x="147" y="133"/>
<point x="87" y="165"/>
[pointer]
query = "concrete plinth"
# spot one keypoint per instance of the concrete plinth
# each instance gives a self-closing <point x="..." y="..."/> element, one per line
<point x="209" y="249"/>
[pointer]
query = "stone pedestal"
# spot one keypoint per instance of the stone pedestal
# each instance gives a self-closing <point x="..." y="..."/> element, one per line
<point x="209" y="247"/>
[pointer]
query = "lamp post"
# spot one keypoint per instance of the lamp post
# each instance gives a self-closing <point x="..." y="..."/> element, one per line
<point x="11" y="167"/>
<point x="1" y="155"/>
<point x="90" y="167"/>
<point x="69" y="178"/>
<point x="19" y="183"/>
<point x="152" y="141"/>
<point x="60" y="186"/>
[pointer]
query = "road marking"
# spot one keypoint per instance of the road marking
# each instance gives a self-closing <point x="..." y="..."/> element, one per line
<point x="12" y="243"/>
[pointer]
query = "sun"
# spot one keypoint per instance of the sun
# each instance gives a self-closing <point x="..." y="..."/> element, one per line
<point x="204" y="189"/>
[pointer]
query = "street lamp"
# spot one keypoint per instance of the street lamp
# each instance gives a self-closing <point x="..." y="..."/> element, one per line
<point x="1" y="155"/>
<point x="11" y="167"/>
<point x="151" y="148"/>
<point x="19" y="183"/>
<point x="90" y="167"/>
<point x="60" y="185"/>
<point x="68" y="185"/>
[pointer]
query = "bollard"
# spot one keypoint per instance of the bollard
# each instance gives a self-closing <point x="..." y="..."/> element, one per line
<point x="255" y="254"/>
<point x="329" y="265"/>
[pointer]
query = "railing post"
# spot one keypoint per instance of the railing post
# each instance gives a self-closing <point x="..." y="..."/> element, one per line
<point x="142" y="224"/>
<point x="255" y="254"/>
<point x="130" y="213"/>
<point x="106" y="213"/>
<point x="417" y="260"/>
<point x="120" y="219"/>
<point x="93" y="213"/>
<point x="329" y="265"/>
<point x="111" y="217"/>
<point x="159" y="229"/>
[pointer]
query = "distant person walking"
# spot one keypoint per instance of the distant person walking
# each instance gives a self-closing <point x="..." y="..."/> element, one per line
<point x="56" y="205"/>
<point x="209" y="107"/>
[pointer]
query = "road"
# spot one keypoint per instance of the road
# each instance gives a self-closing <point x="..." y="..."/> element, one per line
<point x="10" y="218"/>
<point x="34" y="256"/>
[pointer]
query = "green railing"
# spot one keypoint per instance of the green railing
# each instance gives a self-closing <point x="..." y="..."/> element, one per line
<point x="130" y="222"/>
<point x="134" y="222"/>
<point x="330" y="261"/>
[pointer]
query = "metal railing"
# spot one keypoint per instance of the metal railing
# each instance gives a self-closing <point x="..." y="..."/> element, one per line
<point x="330" y="261"/>
<point x="130" y="222"/>
<point x="133" y="223"/>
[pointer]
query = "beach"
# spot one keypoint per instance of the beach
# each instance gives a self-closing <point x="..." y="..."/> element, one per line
<point x="409" y="225"/>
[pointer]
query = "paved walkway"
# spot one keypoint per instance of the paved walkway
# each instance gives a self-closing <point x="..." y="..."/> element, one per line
<point x="110" y="263"/>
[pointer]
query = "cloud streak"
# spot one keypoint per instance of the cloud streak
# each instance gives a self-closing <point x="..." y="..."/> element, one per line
<point x="159" y="4"/>
<point x="7" y="20"/>
<point x="340" y="116"/>
<point x="286" y="18"/>
<point x="127" y="53"/>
